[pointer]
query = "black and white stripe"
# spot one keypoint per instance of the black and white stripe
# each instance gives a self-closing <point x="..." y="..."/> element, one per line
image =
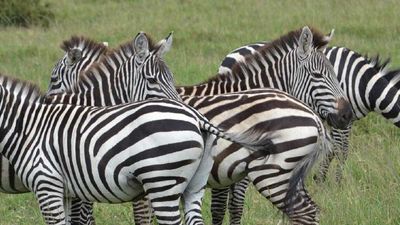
<point x="107" y="154"/>
<point x="298" y="136"/>
<point x="293" y="63"/>
<point x="369" y="85"/>
<point x="85" y="92"/>
<point x="317" y="68"/>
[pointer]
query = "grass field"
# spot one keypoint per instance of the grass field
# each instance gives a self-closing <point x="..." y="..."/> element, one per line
<point x="204" y="32"/>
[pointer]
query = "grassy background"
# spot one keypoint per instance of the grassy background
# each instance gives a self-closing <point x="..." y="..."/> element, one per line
<point x="204" y="32"/>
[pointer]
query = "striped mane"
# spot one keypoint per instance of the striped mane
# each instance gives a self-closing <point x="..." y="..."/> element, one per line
<point x="382" y="66"/>
<point x="21" y="88"/>
<point x="85" y="44"/>
<point x="283" y="44"/>
<point x="112" y="58"/>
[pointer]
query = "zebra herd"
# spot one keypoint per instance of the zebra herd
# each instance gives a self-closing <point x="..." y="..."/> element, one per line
<point x="113" y="128"/>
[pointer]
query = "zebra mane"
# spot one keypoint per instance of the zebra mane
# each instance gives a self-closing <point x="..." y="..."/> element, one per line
<point x="382" y="66"/>
<point x="124" y="51"/>
<point x="20" y="87"/>
<point x="83" y="43"/>
<point x="284" y="43"/>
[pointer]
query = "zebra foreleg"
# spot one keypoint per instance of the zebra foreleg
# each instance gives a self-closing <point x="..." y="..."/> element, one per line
<point x="237" y="196"/>
<point x="82" y="212"/>
<point x="51" y="204"/>
<point x="86" y="213"/>
<point x="218" y="205"/>
<point x="341" y="149"/>
<point x="324" y="167"/>
<point x="142" y="212"/>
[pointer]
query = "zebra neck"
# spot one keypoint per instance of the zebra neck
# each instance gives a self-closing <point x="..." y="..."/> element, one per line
<point x="96" y="91"/>
<point x="245" y="76"/>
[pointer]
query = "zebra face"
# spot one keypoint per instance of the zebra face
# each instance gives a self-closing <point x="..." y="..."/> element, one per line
<point x="150" y="69"/>
<point x="80" y="54"/>
<point x="65" y="72"/>
<point x="324" y="92"/>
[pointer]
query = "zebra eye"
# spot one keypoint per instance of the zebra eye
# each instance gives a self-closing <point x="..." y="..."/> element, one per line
<point x="317" y="75"/>
<point x="151" y="80"/>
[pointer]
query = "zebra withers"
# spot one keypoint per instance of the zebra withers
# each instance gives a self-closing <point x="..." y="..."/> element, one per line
<point x="106" y="154"/>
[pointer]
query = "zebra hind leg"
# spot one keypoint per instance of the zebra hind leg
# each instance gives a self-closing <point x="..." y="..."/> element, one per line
<point x="218" y="205"/>
<point x="303" y="209"/>
<point x="236" y="201"/>
<point x="194" y="192"/>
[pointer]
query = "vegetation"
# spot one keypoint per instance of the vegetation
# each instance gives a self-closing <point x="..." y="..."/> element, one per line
<point x="25" y="13"/>
<point x="204" y="32"/>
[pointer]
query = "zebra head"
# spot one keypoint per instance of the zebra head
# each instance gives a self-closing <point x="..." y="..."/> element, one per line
<point x="150" y="69"/>
<point x="319" y="85"/>
<point x="80" y="53"/>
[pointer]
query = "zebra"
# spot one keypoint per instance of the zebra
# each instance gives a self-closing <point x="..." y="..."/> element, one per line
<point x="376" y="90"/>
<point x="111" y="154"/>
<point x="73" y="75"/>
<point x="263" y="71"/>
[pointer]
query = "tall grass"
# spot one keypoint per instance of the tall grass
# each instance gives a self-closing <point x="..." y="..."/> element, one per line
<point x="204" y="32"/>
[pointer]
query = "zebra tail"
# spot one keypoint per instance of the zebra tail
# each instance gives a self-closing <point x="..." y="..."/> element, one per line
<point x="251" y="139"/>
<point x="296" y="181"/>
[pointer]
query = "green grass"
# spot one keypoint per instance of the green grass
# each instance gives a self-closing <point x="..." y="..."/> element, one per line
<point x="204" y="32"/>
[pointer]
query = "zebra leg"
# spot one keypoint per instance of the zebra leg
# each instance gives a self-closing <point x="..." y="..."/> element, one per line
<point x="82" y="212"/>
<point x="51" y="204"/>
<point x="86" y="213"/>
<point x="194" y="192"/>
<point x="142" y="212"/>
<point x="343" y="152"/>
<point x="76" y="211"/>
<point x="166" y="208"/>
<point x="218" y="205"/>
<point x="303" y="209"/>
<point x="236" y="200"/>
<point x="340" y="151"/>
<point x="324" y="167"/>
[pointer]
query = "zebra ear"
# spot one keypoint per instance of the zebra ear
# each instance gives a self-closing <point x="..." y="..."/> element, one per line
<point x="105" y="43"/>
<point x="305" y="42"/>
<point x="165" y="45"/>
<point x="141" y="46"/>
<point x="74" y="55"/>
<point x="326" y="40"/>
